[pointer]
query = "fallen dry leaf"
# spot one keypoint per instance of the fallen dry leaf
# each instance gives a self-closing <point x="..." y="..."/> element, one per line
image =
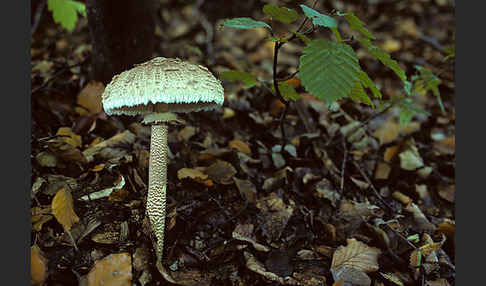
<point x="240" y="146"/>
<point x="275" y="215"/>
<point x="245" y="232"/>
<point x="90" y="98"/>
<point x="114" y="269"/>
<point x="39" y="216"/>
<point x="410" y="159"/>
<point x="446" y="145"/>
<point x="387" y="132"/>
<point x="448" y="192"/>
<point x="391" y="45"/>
<point x="393" y="278"/>
<point x="195" y="174"/>
<point x="73" y="140"/>
<point x="256" y="266"/>
<point x="186" y="133"/>
<point x="247" y="189"/>
<point x="63" y="209"/>
<point x="221" y="172"/>
<point x="382" y="171"/>
<point x="390" y="153"/>
<point x="356" y="255"/>
<point x="38" y="266"/>
<point x="350" y="276"/>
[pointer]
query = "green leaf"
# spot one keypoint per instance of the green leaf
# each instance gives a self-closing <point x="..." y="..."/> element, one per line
<point x="287" y="91"/>
<point x="281" y="14"/>
<point x="384" y="58"/>
<point x="368" y="83"/>
<point x="244" y="23"/>
<point x="427" y="81"/>
<point x="65" y="12"/>
<point x="359" y="95"/>
<point x="356" y="24"/>
<point x="407" y="86"/>
<point x="272" y="39"/>
<point x="247" y="78"/>
<point x="302" y="37"/>
<point x="328" y="69"/>
<point x="337" y="34"/>
<point x="451" y="52"/>
<point x="318" y="18"/>
<point x="408" y="110"/>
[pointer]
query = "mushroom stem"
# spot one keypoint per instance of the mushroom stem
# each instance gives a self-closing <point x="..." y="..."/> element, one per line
<point x="157" y="184"/>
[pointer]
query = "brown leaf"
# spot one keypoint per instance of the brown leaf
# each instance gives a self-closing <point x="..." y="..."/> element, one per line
<point x="63" y="209"/>
<point x="118" y="195"/>
<point x="356" y="255"/>
<point x="393" y="278"/>
<point x="98" y="167"/>
<point x="90" y="98"/>
<point x="39" y="216"/>
<point x="38" y="266"/>
<point x="382" y="171"/>
<point x="387" y="132"/>
<point x="186" y="133"/>
<point x="446" y="145"/>
<point x="350" y="275"/>
<point x="195" y="174"/>
<point x="276" y="215"/>
<point x="221" y="172"/>
<point x="390" y="153"/>
<point x="114" y="269"/>
<point x="73" y="140"/>
<point x="240" y="146"/>
<point x="448" y="192"/>
<point x="247" y="189"/>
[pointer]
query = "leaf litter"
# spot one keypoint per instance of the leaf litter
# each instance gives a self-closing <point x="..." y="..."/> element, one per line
<point x="335" y="205"/>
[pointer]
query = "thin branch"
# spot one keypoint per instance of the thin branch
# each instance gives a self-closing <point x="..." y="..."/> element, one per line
<point x="37" y="17"/>
<point x="363" y="174"/>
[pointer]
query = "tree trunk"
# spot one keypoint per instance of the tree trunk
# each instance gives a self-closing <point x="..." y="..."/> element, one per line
<point x="122" y="34"/>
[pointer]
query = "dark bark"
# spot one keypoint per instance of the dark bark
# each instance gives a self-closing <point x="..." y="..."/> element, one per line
<point x="122" y="34"/>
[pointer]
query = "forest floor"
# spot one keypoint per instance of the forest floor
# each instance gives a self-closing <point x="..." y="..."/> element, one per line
<point x="353" y="196"/>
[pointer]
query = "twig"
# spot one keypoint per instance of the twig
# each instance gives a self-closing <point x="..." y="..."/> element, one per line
<point x="363" y="174"/>
<point x="63" y="70"/>
<point x="343" y="166"/>
<point x="37" y="17"/>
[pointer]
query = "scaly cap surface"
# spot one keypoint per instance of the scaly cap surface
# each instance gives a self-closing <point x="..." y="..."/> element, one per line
<point x="162" y="85"/>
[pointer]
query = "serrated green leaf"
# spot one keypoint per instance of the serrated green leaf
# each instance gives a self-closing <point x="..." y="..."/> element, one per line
<point x="65" y="12"/>
<point x="427" y="81"/>
<point x="328" y="69"/>
<point x="287" y="91"/>
<point x="244" y="23"/>
<point x="247" y="78"/>
<point x="318" y="18"/>
<point x="359" y="95"/>
<point x="302" y="37"/>
<point x="368" y="83"/>
<point x="281" y="14"/>
<point x="356" y="24"/>
<point x="384" y="58"/>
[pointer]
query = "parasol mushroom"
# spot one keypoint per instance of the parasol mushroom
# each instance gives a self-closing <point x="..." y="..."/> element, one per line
<point x="156" y="89"/>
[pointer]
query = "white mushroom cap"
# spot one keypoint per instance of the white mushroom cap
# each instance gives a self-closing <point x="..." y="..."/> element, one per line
<point x="162" y="85"/>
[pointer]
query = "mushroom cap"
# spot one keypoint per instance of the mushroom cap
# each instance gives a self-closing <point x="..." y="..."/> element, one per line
<point x="162" y="85"/>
